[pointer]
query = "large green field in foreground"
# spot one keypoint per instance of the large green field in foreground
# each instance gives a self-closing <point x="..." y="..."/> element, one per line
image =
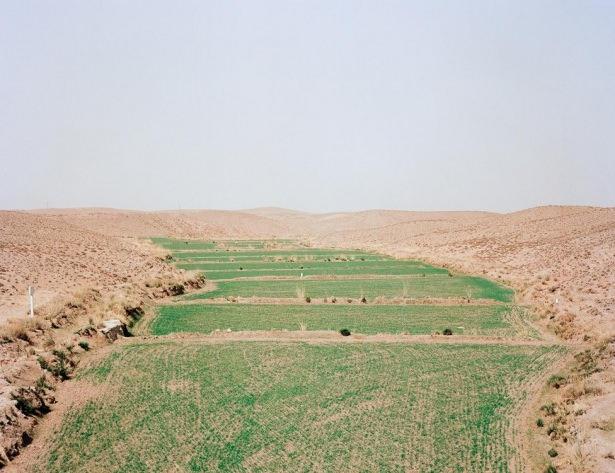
<point x="275" y="407"/>
<point x="491" y="320"/>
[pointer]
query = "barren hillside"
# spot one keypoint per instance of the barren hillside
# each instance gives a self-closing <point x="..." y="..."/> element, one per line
<point x="181" y="223"/>
<point x="58" y="258"/>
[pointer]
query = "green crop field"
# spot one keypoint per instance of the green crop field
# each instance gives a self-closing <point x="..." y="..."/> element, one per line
<point x="330" y="271"/>
<point x="275" y="253"/>
<point x="359" y="266"/>
<point x="216" y="401"/>
<point x="458" y="286"/>
<point x="174" y="245"/>
<point x="278" y="407"/>
<point x="238" y="270"/>
<point x="184" y="257"/>
<point x="492" y="320"/>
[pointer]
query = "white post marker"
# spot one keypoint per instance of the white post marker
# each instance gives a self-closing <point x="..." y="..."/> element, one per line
<point x="31" y="298"/>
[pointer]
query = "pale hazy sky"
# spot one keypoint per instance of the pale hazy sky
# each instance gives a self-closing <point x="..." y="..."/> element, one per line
<point x="311" y="105"/>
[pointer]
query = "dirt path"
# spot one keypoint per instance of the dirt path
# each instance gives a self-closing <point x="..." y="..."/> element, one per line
<point x="325" y="336"/>
<point x="450" y="301"/>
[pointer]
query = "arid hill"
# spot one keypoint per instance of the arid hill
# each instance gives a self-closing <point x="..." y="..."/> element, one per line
<point x="59" y="258"/>
<point x="561" y="261"/>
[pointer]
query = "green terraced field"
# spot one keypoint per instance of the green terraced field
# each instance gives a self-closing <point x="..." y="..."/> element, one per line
<point x="293" y="407"/>
<point x="330" y="271"/>
<point x="238" y="270"/>
<point x="260" y="254"/>
<point x="357" y="265"/>
<point x="174" y="245"/>
<point x="494" y="320"/>
<point x="229" y="258"/>
<point x="204" y="403"/>
<point x="457" y="286"/>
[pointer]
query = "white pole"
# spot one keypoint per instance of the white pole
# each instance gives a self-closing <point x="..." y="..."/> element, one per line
<point x="31" y="297"/>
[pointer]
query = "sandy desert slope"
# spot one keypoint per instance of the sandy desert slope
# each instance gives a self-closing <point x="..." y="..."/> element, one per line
<point x="58" y="258"/>
<point x="185" y="223"/>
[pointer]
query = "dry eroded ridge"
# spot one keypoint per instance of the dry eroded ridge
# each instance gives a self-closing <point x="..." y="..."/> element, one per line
<point x="254" y="374"/>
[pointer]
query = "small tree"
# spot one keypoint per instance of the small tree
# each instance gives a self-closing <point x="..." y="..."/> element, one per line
<point x="447" y="331"/>
<point x="345" y="332"/>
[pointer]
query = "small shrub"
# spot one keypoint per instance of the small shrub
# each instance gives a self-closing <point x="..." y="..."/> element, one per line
<point x="363" y="300"/>
<point x="59" y="354"/>
<point x="540" y="422"/>
<point x="24" y="405"/>
<point x="549" y="409"/>
<point x="556" y="381"/>
<point x="447" y="331"/>
<point x="333" y="300"/>
<point x="43" y="363"/>
<point x="41" y="384"/>
<point x="84" y="345"/>
<point x="308" y="299"/>
<point x="349" y="300"/>
<point x="240" y="268"/>
<point x="20" y="333"/>
<point x="551" y="469"/>
<point x="552" y="453"/>
<point x="59" y="367"/>
<point x="177" y="289"/>
<point x="345" y="332"/>
<point x="450" y="275"/>
<point x="60" y="370"/>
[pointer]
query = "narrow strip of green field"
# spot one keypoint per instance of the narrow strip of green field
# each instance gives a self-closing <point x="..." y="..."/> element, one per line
<point x="298" y="252"/>
<point x="241" y="244"/>
<point x="174" y="244"/>
<point x="457" y="286"/>
<point x="275" y="407"/>
<point x="315" y="264"/>
<point x="240" y="269"/>
<point x="228" y="258"/>
<point x="331" y="271"/>
<point x="494" y="320"/>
